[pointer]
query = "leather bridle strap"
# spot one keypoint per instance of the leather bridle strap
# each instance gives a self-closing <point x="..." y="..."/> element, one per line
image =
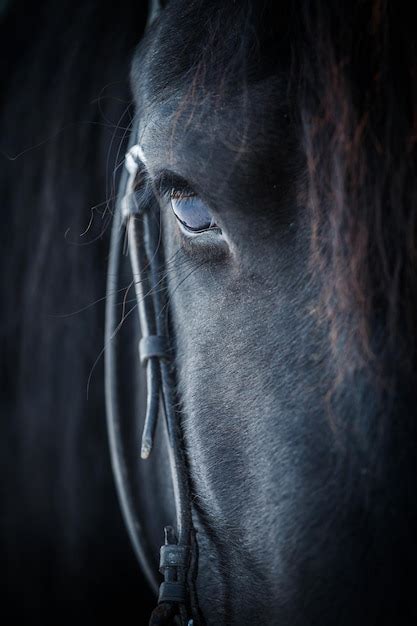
<point x="137" y="214"/>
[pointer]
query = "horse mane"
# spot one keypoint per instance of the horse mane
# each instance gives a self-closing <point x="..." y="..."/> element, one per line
<point x="65" y="113"/>
<point x="358" y="106"/>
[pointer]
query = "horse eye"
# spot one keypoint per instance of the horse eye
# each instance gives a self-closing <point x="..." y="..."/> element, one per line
<point x="191" y="211"/>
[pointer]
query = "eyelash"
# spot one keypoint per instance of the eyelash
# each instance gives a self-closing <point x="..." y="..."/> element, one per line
<point x="180" y="194"/>
<point x="171" y="186"/>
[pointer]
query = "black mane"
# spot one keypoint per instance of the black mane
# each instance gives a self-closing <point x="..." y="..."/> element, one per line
<point x="65" y="111"/>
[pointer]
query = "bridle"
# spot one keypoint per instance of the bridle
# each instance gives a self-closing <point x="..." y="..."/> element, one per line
<point x="137" y="217"/>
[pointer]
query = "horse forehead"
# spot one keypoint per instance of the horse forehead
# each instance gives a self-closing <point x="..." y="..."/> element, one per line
<point x="243" y="126"/>
<point x="213" y="59"/>
<point x="204" y="34"/>
<point x="208" y="75"/>
<point x="204" y="111"/>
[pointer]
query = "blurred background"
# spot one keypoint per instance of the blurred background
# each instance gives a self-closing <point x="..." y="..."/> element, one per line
<point x="64" y="112"/>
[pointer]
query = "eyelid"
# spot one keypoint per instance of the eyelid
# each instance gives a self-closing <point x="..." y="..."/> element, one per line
<point x="167" y="181"/>
<point x="171" y="186"/>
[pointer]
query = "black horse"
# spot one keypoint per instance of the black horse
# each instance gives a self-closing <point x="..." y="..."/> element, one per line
<point x="280" y="142"/>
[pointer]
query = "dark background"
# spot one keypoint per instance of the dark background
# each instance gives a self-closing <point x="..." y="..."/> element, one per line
<point x="64" y="107"/>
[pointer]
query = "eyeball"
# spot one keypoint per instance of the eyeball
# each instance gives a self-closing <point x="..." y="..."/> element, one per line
<point x="191" y="211"/>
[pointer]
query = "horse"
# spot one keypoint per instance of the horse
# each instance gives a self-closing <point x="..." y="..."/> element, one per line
<point x="278" y="143"/>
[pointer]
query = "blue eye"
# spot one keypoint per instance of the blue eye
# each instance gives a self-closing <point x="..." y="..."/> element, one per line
<point x="191" y="211"/>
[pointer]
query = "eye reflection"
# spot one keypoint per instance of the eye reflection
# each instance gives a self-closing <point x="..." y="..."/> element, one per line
<point x="191" y="212"/>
